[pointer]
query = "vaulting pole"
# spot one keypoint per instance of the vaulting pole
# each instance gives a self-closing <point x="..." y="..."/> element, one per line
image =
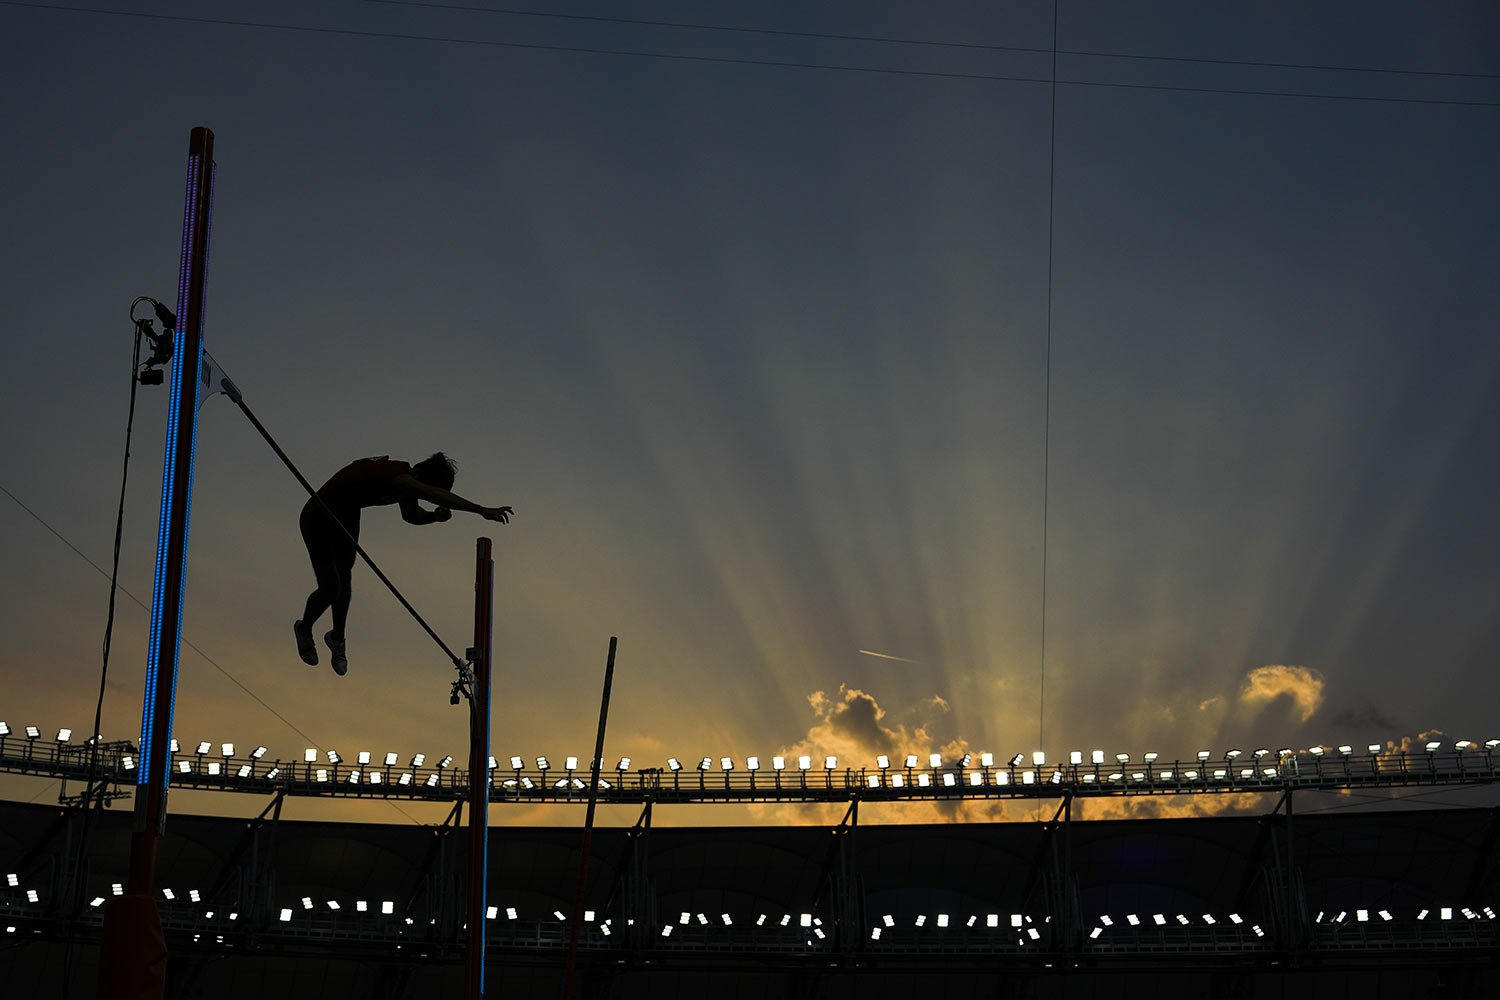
<point x="479" y="770"/>
<point x="588" y="822"/>
<point x="133" y="955"/>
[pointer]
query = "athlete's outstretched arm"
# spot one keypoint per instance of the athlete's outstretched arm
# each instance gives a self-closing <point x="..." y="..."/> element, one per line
<point x="436" y="495"/>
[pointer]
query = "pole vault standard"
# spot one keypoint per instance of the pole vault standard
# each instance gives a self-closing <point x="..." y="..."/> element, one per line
<point x="476" y="909"/>
<point x="133" y="956"/>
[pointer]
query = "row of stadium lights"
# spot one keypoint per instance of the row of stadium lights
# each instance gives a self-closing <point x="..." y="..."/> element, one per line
<point x="1018" y="921"/>
<point x="1022" y="924"/>
<point x="1262" y="766"/>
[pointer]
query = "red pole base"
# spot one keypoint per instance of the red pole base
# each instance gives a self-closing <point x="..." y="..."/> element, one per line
<point x="133" y="955"/>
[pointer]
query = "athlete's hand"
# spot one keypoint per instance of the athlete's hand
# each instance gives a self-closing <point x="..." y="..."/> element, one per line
<point x="501" y="514"/>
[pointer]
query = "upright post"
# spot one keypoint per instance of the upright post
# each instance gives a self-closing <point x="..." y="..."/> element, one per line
<point x="479" y="770"/>
<point x="133" y="956"/>
<point x="588" y="821"/>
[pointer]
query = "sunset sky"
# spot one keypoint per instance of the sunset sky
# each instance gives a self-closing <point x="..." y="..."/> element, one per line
<point x="751" y="328"/>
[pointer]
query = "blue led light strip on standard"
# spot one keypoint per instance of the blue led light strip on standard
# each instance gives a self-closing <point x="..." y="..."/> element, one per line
<point x="154" y="665"/>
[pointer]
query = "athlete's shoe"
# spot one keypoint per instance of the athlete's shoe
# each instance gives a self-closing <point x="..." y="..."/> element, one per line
<point x="306" y="647"/>
<point x="339" y="662"/>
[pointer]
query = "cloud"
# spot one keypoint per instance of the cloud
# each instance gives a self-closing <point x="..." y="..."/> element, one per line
<point x="1302" y="685"/>
<point x="1366" y="718"/>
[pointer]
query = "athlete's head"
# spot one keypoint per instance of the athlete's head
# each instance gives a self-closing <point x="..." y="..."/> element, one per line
<point x="436" y="471"/>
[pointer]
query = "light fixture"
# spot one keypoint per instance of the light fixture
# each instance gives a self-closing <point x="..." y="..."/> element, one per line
<point x="1096" y="756"/>
<point x="390" y="759"/>
<point x="64" y="735"/>
<point x="986" y="759"/>
<point x="203" y="747"/>
<point x="364" y="758"/>
<point x="1204" y="754"/>
<point x="1038" y="758"/>
<point x="4" y="729"/>
<point x="1231" y="754"/>
<point x="333" y="757"/>
<point x="752" y="763"/>
<point x="804" y="762"/>
<point x="1123" y="758"/>
<point x="258" y="753"/>
<point x="623" y="765"/>
<point x="674" y="764"/>
<point x="705" y="763"/>
<point x="1315" y="751"/>
<point x="570" y="763"/>
<point x="1016" y="760"/>
<point x="883" y="762"/>
<point x="778" y="763"/>
<point x="1261" y="752"/>
<point x="726" y="763"/>
<point x="911" y="760"/>
<point x="1434" y="746"/>
<point x="1345" y="749"/>
<point x="310" y="755"/>
<point x="1375" y="748"/>
<point x="418" y="759"/>
<point x="830" y="763"/>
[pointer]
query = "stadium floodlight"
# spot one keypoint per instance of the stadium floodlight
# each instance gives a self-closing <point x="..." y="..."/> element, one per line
<point x="934" y="760"/>
<point x="1434" y="746"/>
<point x="418" y="759"/>
<point x="333" y="757"/>
<point x="258" y="753"/>
<point x="921" y="920"/>
<point x="1231" y="754"/>
<point x="883" y="762"/>
<point x="286" y="914"/>
<point x="1261" y="752"/>
<point x="203" y="747"/>
<point x="986" y="759"/>
<point x="1038" y="758"/>
<point x="226" y="749"/>
<point x="447" y="761"/>
<point x="1375" y="748"/>
<point x="1150" y="756"/>
<point x="623" y="765"/>
<point x="183" y="767"/>
<point x="804" y="762"/>
<point x="64" y="735"/>
<point x="1204" y="754"/>
<point x="173" y="746"/>
<point x="725" y="918"/>
<point x="705" y="763"/>
<point x="1160" y="919"/>
<point x="244" y="771"/>
<point x="570" y="763"/>
<point x="1315" y="751"/>
<point x="949" y="780"/>
<point x="778" y="763"/>
<point x="517" y="763"/>
<point x="1463" y="745"/>
<point x="752" y="763"/>
<point x="273" y="774"/>
<point x="493" y="763"/>
<point x="1016" y="760"/>
<point x="310" y="756"/>
<point x="726" y="763"/>
<point x="942" y="920"/>
<point x="432" y="780"/>
<point x="387" y="906"/>
<point x="128" y="762"/>
<point x="965" y="760"/>
<point x="1075" y="757"/>
<point x="911" y="761"/>
<point x="1123" y="758"/>
<point x="1345" y="749"/>
<point x="674" y="764"/>
<point x="830" y="763"/>
<point x="1096" y="756"/>
<point x="4" y="729"/>
<point x="1491" y="744"/>
<point x="992" y="920"/>
<point x="390" y="759"/>
<point x="363" y="757"/>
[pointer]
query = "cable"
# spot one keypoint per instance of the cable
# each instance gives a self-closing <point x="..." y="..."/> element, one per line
<point x="924" y="42"/>
<point x="782" y="64"/>
<point x="234" y="394"/>
<point x="1041" y="711"/>
<point x="142" y="331"/>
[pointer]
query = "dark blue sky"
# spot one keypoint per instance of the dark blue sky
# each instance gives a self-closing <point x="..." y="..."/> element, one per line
<point x="760" y="355"/>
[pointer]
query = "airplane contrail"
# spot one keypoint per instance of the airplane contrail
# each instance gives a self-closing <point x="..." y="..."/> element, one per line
<point x="888" y="656"/>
